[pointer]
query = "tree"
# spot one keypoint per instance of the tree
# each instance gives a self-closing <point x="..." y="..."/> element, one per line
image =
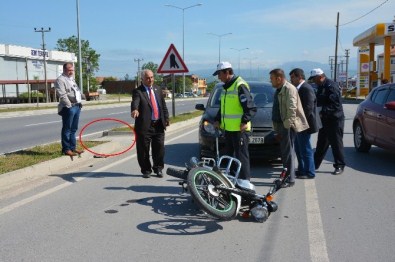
<point x="110" y="78"/>
<point x="211" y="85"/>
<point x="179" y="85"/>
<point x="90" y="59"/>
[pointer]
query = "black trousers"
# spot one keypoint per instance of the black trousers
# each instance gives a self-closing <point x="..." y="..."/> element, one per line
<point x="155" y="138"/>
<point x="331" y="134"/>
<point x="236" y="145"/>
<point x="287" y="146"/>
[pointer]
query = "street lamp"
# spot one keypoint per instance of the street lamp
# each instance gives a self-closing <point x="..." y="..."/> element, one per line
<point x="239" y="50"/>
<point x="42" y="31"/>
<point x="183" y="33"/>
<point x="219" y="49"/>
<point x="79" y="46"/>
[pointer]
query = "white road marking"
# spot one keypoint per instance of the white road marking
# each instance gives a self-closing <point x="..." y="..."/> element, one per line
<point x="118" y="113"/>
<point x="318" y="251"/>
<point x="44" y="123"/>
<point x="66" y="184"/>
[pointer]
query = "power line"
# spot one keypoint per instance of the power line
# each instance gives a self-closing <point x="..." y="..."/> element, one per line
<point x="366" y="13"/>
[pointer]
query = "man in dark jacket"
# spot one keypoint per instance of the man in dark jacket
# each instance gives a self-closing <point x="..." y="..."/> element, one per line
<point x="149" y="109"/>
<point x="303" y="148"/>
<point x="332" y="118"/>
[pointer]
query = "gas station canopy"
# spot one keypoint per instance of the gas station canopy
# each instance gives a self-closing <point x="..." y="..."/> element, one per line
<point x="375" y="35"/>
<point x="380" y="34"/>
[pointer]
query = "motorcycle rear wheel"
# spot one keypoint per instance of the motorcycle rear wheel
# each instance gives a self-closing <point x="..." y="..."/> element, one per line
<point x="203" y="184"/>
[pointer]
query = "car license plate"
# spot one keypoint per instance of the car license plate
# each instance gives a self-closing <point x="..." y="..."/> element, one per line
<point x="257" y="140"/>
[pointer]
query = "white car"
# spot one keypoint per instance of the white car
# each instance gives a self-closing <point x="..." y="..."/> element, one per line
<point x="102" y="91"/>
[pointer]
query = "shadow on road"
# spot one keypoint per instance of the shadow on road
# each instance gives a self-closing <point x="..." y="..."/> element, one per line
<point x="376" y="162"/>
<point x="72" y="177"/>
<point x="179" y="154"/>
<point x="184" y="218"/>
<point x="178" y="226"/>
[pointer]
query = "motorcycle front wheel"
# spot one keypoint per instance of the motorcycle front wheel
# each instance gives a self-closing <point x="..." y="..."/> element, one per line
<point x="204" y="185"/>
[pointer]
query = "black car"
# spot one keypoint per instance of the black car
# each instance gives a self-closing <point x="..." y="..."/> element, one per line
<point x="262" y="143"/>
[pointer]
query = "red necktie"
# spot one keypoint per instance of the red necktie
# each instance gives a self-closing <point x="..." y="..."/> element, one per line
<point x="154" y="105"/>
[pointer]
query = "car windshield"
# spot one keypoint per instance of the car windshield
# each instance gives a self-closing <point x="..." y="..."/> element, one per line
<point x="262" y="94"/>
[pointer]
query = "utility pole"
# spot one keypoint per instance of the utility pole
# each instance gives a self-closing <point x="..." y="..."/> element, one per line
<point x="88" y="70"/>
<point x="28" y="85"/>
<point x="335" y="65"/>
<point x="337" y="40"/>
<point x="347" y="56"/>
<point x="138" y="69"/>
<point x="331" y="64"/>
<point x="42" y="31"/>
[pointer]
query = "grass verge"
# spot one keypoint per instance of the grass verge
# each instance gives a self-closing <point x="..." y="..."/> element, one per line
<point x="35" y="155"/>
<point x="185" y="116"/>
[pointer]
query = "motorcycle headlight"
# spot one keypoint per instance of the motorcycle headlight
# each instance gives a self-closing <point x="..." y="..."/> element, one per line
<point x="260" y="213"/>
<point x="208" y="127"/>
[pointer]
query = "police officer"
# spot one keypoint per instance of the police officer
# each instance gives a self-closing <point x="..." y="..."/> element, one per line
<point x="236" y="111"/>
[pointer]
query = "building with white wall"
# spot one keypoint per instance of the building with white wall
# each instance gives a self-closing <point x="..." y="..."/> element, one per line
<point x="22" y="70"/>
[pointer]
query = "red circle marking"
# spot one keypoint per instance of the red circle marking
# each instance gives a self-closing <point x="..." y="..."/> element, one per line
<point x="107" y="119"/>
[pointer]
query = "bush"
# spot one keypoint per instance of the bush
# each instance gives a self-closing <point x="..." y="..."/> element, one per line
<point x="33" y="94"/>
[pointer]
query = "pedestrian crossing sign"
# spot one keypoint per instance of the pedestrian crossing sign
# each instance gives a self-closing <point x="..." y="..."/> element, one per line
<point x="172" y="62"/>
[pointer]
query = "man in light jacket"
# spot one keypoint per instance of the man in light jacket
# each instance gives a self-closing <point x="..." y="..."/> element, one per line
<point x="69" y="108"/>
<point x="288" y="119"/>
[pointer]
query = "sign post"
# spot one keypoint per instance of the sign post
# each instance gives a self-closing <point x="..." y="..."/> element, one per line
<point x="172" y="63"/>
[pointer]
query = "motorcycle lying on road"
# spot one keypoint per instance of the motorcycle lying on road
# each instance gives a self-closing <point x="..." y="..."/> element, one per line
<point x="215" y="187"/>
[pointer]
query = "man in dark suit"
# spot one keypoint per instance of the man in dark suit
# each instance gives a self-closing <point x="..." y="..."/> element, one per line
<point x="332" y="118"/>
<point x="149" y="110"/>
<point x="303" y="148"/>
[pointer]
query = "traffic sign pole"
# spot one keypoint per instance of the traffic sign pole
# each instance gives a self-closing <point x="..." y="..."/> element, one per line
<point x="173" y="95"/>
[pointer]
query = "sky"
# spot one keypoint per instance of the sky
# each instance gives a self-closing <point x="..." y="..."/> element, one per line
<point x="122" y="31"/>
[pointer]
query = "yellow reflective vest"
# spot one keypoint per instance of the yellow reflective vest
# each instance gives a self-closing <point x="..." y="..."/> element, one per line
<point x="231" y="109"/>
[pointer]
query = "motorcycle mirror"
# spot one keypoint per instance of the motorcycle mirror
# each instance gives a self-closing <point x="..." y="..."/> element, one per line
<point x="193" y="162"/>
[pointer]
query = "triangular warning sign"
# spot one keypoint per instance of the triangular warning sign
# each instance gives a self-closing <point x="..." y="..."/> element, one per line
<point x="172" y="62"/>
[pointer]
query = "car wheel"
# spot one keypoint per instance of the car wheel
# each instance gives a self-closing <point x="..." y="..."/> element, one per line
<point x="360" y="143"/>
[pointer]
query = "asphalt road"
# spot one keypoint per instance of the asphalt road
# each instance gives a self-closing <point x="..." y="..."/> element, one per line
<point x="22" y="130"/>
<point x="108" y="212"/>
